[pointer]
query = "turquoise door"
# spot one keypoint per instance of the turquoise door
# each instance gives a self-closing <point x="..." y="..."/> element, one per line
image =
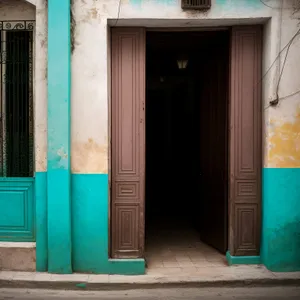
<point x="16" y="133"/>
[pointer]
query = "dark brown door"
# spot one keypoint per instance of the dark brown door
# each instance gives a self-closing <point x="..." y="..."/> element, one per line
<point x="128" y="142"/>
<point x="214" y="145"/>
<point x="245" y="141"/>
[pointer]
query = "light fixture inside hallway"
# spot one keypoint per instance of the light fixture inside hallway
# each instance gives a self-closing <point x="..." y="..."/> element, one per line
<point x="182" y="63"/>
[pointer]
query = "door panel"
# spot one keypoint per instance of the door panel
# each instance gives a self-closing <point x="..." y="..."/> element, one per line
<point x="128" y="142"/>
<point x="214" y="115"/>
<point x="245" y="141"/>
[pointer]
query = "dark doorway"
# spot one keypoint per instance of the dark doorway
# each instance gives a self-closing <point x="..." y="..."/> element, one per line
<point x="198" y="172"/>
<point x="16" y="96"/>
<point x="187" y="82"/>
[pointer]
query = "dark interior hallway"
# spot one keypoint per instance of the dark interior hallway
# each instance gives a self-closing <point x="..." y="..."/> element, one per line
<point x="186" y="144"/>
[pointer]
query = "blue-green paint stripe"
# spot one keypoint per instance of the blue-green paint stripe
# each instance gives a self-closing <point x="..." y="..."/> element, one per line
<point x="41" y="221"/>
<point x="127" y="266"/>
<point x="58" y="174"/>
<point x="90" y="230"/>
<point x="242" y="260"/>
<point x="280" y="249"/>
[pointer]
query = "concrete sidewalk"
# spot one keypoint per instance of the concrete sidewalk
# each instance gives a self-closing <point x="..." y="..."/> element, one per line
<point x="214" y="277"/>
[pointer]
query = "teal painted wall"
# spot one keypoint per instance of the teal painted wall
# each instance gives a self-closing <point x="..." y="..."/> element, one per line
<point x="80" y="244"/>
<point x="58" y="156"/>
<point x="17" y="213"/>
<point x="41" y="222"/>
<point x="281" y="219"/>
<point x="90" y="231"/>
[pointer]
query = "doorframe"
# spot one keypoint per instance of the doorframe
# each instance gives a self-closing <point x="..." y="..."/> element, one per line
<point x="231" y="190"/>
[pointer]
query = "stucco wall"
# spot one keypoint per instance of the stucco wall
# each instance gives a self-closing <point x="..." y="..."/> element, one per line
<point x="90" y="85"/>
<point x="283" y="122"/>
<point x="90" y="113"/>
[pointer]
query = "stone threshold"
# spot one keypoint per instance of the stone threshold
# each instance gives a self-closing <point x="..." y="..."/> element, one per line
<point x="18" y="256"/>
<point x="33" y="280"/>
<point x="30" y="245"/>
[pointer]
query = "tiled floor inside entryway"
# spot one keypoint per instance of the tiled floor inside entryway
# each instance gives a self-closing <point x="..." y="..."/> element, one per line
<point x="177" y="248"/>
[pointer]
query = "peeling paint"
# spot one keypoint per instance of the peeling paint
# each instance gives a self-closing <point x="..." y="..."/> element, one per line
<point x="41" y="159"/>
<point x="89" y="157"/>
<point x="94" y="13"/>
<point x="62" y="153"/>
<point x="91" y="14"/>
<point x="16" y="10"/>
<point x="40" y="89"/>
<point x="90" y="86"/>
<point x="284" y="144"/>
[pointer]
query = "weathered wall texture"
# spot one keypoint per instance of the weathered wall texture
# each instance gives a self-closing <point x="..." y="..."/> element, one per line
<point x="281" y="187"/>
<point x="25" y="10"/>
<point x="40" y="98"/>
<point x="89" y="92"/>
<point x="90" y="111"/>
<point x="90" y="85"/>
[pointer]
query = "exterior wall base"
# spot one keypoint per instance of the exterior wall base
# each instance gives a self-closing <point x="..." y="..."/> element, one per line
<point x="281" y="219"/>
<point x="16" y="256"/>
<point x="58" y="137"/>
<point x="127" y="266"/>
<point x="90" y="231"/>
<point x="17" y="205"/>
<point x="242" y="260"/>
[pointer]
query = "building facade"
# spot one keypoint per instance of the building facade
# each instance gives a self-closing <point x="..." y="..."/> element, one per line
<point x="76" y="197"/>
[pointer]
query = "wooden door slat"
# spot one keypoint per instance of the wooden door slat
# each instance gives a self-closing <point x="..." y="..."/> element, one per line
<point x="128" y="142"/>
<point x="245" y="141"/>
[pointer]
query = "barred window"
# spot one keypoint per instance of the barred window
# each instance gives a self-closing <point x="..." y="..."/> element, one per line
<point x="16" y="99"/>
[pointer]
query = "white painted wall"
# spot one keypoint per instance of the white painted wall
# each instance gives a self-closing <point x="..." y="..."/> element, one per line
<point x="26" y="10"/>
<point x="90" y="69"/>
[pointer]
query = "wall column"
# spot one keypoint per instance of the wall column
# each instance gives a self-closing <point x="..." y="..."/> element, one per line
<point x="58" y="177"/>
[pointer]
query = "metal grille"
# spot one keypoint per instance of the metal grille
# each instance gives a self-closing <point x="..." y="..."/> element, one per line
<point x="195" y="4"/>
<point x="16" y="99"/>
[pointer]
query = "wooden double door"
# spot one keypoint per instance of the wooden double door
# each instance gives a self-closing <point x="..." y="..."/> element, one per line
<point x="243" y="180"/>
